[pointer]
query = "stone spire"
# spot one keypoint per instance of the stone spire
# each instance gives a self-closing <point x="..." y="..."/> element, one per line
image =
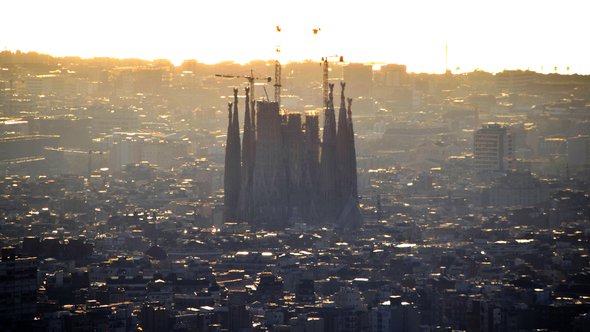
<point x="342" y="119"/>
<point x="248" y="137"/>
<point x="232" y="164"/>
<point x="227" y="185"/>
<point x="237" y="150"/>
<point x="248" y="143"/>
<point x="342" y="150"/>
<point x="352" y="152"/>
<point x="236" y="119"/>
<point x="328" y="164"/>
<point x="350" y="215"/>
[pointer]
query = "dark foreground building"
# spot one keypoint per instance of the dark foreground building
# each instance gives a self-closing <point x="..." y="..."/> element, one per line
<point x="282" y="173"/>
<point x="18" y="291"/>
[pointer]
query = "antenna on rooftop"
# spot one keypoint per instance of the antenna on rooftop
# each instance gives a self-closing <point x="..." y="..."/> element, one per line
<point x="278" y="69"/>
<point x="446" y="57"/>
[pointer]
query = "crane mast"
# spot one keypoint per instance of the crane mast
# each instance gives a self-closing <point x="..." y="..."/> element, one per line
<point x="278" y="71"/>
<point x="325" y="77"/>
<point x="326" y="69"/>
<point x="325" y="81"/>
<point x="277" y="84"/>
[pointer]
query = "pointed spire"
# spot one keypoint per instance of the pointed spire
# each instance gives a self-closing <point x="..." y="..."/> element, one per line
<point x="230" y="125"/>
<point x="247" y="112"/>
<point x="252" y="110"/>
<point x="230" y="122"/>
<point x="227" y="182"/>
<point x="343" y="150"/>
<point x="247" y="160"/>
<point x="246" y="139"/>
<point x="331" y="95"/>
<point x="342" y="86"/>
<point x="329" y="197"/>
<point x="249" y="116"/>
<point x="350" y="110"/>
<point x="352" y="152"/>
<point x="236" y="128"/>
<point x="235" y="116"/>
<point x="330" y="118"/>
<point x="232" y="177"/>
<point x="342" y="119"/>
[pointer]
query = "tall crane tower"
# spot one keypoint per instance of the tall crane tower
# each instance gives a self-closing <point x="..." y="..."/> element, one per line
<point x="325" y="63"/>
<point x="278" y="70"/>
<point x="326" y="69"/>
<point x="277" y="84"/>
<point x="251" y="78"/>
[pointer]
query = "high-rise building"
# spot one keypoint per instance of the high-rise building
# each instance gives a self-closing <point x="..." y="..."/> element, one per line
<point x="493" y="149"/>
<point x="284" y="173"/>
<point x="18" y="289"/>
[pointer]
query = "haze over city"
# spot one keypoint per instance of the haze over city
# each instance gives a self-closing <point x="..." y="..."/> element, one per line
<point x="274" y="166"/>
<point x="489" y="35"/>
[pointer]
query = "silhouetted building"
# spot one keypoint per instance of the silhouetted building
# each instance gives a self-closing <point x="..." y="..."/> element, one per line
<point x="239" y="317"/>
<point x="269" y="288"/>
<point x="395" y="316"/>
<point x="232" y="176"/>
<point x="305" y="291"/>
<point x="31" y="245"/>
<point x="279" y="176"/>
<point x="155" y="318"/>
<point x="18" y="289"/>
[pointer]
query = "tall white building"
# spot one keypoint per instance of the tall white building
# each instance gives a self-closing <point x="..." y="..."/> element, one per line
<point x="493" y="149"/>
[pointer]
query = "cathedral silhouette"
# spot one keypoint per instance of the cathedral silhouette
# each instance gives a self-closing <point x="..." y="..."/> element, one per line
<point x="281" y="172"/>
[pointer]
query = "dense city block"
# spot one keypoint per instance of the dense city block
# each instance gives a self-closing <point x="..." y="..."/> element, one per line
<point x="146" y="196"/>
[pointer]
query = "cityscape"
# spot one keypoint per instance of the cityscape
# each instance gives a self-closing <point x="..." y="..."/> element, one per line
<point x="304" y="195"/>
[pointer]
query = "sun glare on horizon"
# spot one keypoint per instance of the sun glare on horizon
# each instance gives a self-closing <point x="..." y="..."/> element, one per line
<point x="427" y="36"/>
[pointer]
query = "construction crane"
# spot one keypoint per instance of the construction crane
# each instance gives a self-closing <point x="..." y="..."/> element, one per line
<point x="251" y="78"/>
<point x="277" y="84"/>
<point x="325" y="64"/>
<point x="278" y="70"/>
<point x="326" y="69"/>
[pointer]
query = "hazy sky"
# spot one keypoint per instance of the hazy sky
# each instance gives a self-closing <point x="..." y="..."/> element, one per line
<point x="491" y="34"/>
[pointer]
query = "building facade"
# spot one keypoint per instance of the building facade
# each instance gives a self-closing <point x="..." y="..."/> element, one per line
<point x="18" y="288"/>
<point x="493" y="149"/>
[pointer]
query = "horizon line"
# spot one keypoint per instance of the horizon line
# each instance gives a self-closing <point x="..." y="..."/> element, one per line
<point x="457" y="71"/>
